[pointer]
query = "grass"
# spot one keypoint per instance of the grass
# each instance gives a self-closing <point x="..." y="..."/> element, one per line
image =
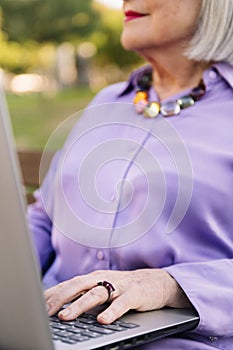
<point x="35" y="116"/>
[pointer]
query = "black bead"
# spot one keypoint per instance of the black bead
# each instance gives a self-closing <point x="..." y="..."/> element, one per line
<point x="144" y="80"/>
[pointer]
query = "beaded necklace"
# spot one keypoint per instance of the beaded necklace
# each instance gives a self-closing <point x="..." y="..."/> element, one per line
<point x="167" y="109"/>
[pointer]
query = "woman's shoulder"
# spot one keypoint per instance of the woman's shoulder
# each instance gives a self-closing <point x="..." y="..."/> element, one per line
<point x="110" y="93"/>
<point x="113" y="92"/>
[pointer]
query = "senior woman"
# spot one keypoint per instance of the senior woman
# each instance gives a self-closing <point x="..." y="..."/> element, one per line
<point x="159" y="230"/>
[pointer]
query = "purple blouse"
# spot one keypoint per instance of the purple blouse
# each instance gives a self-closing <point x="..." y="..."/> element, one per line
<point x="128" y="192"/>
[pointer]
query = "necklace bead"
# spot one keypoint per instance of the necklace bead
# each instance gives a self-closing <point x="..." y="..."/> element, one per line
<point x="167" y="109"/>
<point x="140" y="95"/>
<point x="151" y="110"/>
<point x="170" y="108"/>
<point x="198" y="92"/>
<point x="140" y="106"/>
<point x="144" y="79"/>
<point x="185" y="101"/>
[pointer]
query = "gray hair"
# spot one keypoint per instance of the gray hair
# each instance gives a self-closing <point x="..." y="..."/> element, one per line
<point x="213" y="39"/>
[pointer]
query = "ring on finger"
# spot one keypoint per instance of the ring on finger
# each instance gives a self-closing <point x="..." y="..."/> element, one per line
<point x="108" y="286"/>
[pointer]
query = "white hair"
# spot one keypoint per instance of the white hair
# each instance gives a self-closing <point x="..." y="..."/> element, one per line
<point x="213" y="38"/>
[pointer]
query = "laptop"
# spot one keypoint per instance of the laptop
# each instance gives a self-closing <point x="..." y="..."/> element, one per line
<point x="24" y="321"/>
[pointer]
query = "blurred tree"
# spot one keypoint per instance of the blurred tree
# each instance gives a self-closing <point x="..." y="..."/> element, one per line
<point x="17" y="58"/>
<point x="48" y="20"/>
<point x="107" y="40"/>
<point x="29" y="29"/>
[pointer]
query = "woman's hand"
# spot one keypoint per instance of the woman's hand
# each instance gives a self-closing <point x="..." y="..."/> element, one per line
<point x="142" y="290"/>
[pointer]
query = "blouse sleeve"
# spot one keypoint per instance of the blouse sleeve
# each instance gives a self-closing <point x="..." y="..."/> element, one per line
<point x="39" y="216"/>
<point x="209" y="287"/>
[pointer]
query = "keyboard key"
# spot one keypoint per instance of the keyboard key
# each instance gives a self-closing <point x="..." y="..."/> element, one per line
<point x="55" y="337"/>
<point x="67" y="323"/>
<point x="54" y="320"/>
<point x="59" y="326"/>
<point x="80" y="325"/>
<point x="79" y="337"/>
<point x="91" y="334"/>
<point x="86" y="320"/>
<point x="114" y="327"/>
<point x="101" y="330"/>
<point x="75" y="330"/>
<point x="63" y="334"/>
<point x="88" y="316"/>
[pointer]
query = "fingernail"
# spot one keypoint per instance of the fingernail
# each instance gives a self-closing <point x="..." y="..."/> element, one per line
<point x="65" y="312"/>
<point x="106" y="318"/>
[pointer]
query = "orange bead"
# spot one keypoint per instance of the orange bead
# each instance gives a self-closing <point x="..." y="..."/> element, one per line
<point x="140" y="95"/>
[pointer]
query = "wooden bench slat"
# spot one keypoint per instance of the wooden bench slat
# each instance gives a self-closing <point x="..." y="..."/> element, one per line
<point x="30" y="167"/>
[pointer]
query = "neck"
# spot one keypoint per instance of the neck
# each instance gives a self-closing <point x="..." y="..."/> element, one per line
<point x="174" y="73"/>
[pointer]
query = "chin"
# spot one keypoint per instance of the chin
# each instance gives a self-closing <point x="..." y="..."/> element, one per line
<point x="130" y="43"/>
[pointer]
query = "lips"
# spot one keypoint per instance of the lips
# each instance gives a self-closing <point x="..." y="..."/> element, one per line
<point x="130" y="15"/>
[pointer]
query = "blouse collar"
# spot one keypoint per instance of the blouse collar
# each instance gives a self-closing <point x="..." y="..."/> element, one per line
<point x="222" y="69"/>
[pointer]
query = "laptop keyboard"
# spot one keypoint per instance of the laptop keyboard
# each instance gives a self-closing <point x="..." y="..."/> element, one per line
<point x="85" y="327"/>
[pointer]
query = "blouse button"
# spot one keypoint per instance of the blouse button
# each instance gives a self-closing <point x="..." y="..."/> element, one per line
<point x="100" y="255"/>
<point x="212" y="74"/>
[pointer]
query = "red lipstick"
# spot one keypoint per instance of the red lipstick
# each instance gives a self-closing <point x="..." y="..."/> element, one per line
<point x="130" y="15"/>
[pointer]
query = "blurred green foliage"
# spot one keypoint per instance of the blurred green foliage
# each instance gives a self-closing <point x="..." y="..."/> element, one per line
<point x="18" y="58"/>
<point x="36" y="116"/>
<point x="48" y="20"/>
<point x="29" y="27"/>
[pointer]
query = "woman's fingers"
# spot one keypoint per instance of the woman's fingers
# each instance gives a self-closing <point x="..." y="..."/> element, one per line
<point x="85" y="286"/>
<point x="118" y="307"/>
<point x="64" y="293"/>
<point x="94" y="297"/>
